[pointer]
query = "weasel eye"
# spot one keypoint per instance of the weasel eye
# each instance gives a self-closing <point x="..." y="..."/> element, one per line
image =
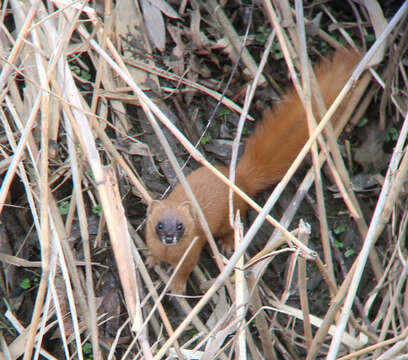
<point x="180" y="227"/>
<point x="159" y="226"/>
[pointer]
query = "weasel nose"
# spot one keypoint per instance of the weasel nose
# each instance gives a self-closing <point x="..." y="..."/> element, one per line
<point x="169" y="239"/>
<point x="170" y="230"/>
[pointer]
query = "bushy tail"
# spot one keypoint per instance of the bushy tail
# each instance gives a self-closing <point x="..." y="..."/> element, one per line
<point x="283" y="131"/>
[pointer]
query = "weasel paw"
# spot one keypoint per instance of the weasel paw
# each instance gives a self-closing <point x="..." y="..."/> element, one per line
<point x="151" y="261"/>
<point x="226" y="248"/>
<point x="178" y="287"/>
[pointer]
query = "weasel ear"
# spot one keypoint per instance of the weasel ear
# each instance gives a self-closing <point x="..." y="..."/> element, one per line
<point x="189" y="207"/>
<point x="154" y="204"/>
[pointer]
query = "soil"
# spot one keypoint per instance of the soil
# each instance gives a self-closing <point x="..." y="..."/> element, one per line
<point x="212" y="126"/>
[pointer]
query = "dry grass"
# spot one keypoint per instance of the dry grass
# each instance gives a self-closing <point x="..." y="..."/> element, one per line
<point x="57" y="138"/>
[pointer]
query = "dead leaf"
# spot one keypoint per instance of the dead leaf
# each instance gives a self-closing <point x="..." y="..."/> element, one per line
<point x="370" y="154"/>
<point x="195" y="28"/>
<point x="154" y="23"/>
<point x="135" y="147"/>
<point x="218" y="339"/>
<point x="221" y="308"/>
<point x="379" y="23"/>
<point x="365" y="182"/>
<point x="178" y="51"/>
<point x="313" y="26"/>
<point x="165" y="8"/>
<point x="199" y="67"/>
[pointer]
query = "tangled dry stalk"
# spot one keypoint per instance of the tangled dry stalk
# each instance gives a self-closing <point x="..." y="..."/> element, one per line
<point x="68" y="79"/>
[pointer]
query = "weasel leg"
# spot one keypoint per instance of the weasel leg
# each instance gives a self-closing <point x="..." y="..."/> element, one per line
<point x="151" y="261"/>
<point x="227" y="243"/>
<point x="178" y="285"/>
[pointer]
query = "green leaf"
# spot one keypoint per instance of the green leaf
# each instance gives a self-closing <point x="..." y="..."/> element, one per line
<point x="340" y="229"/>
<point x="63" y="207"/>
<point x="87" y="348"/>
<point x="224" y="112"/>
<point x="362" y="122"/>
<point x="25" y="284"/>
<point x="97" y="209"/>
<point x="349" y="252"/>
<point x="205" y="140"/>
<point x="86" y="75"/>
<point x="277" y="51"/>
<point x="90" y="174"/>
<point x="370" y="37"/>
<point x="76" y="69"/>
<point x="338" y="244"/>
<point x="394" y="134"/>
<point x="262" y="34"/>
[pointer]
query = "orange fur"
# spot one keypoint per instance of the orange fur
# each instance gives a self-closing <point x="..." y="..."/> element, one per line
<point x="268" y="154"/>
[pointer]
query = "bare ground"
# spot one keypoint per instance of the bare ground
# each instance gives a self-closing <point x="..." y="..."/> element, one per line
<point x="81" y="87"/>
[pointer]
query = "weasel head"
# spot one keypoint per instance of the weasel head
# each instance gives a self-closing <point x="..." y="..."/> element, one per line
<point x="170" y="222"/>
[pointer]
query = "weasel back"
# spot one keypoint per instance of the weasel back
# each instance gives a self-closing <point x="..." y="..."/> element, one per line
<point x="283" y="130"/>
